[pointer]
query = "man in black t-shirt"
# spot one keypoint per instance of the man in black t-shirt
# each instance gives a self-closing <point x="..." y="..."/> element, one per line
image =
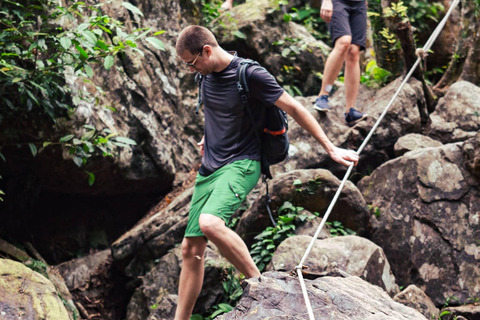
<point x="347" y="23"/>
<point x="231" y="156"/>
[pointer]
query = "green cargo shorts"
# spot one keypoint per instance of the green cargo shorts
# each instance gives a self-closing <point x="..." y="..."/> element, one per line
<point x="221" y="193"/>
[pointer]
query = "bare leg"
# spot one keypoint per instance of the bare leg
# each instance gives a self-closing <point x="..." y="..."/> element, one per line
<point x="227" y="5"/>
<point x="229" y="243"/>
<point x="191" y="276"/>
<point x="335" y="62"/>
<point x="352" y="76"/>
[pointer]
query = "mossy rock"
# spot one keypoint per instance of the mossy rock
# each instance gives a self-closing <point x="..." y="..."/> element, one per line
<point x="27" y="295"/>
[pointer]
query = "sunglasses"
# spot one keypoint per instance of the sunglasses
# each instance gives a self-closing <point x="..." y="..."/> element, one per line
<point x="192" y="64"/>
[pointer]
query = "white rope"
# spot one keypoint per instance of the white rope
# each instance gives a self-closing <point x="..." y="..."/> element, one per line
<point x="305" y="296"/>
<point x="426" y="48"/>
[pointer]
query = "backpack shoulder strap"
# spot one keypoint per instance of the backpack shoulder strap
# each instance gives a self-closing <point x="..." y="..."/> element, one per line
<point x="198" y="81"/>
<point x="242" y="87"/>
<point x="242" y="84"/>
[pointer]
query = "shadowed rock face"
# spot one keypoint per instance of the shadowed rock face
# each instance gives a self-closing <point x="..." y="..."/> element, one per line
<point x="429" y="222"/>
<point x="276" y="295"/>
<point x="153" y="237"/>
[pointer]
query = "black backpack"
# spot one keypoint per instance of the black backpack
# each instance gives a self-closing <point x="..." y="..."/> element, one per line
<point x="273" y="140"/>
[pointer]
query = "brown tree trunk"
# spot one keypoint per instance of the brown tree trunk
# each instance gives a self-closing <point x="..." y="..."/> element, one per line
<point x="471" y="68"/>
<point x="386" y="57"/>
<point x="464" y="64"/>
<point x="404" y="32"/>
<point x="405" y="35"/>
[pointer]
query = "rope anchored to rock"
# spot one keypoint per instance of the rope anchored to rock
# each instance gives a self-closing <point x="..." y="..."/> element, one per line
<point x="421" y="54"/>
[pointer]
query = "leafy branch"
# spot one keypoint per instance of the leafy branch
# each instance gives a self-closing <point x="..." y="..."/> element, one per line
<point x="37" y="49"/>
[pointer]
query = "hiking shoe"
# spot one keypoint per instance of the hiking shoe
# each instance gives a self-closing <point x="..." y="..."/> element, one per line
<point x="353" y="117"/>
<point x="321" y="104"/>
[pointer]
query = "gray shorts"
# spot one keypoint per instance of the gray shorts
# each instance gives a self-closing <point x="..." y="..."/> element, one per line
<point x="349" y="18"/>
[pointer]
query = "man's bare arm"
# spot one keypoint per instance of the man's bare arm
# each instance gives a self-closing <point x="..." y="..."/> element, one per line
<point x="301" y="115"/>
<point x="326" y="10"/>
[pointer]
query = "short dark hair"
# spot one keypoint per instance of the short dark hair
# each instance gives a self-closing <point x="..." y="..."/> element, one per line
<point x="193" y="38"/>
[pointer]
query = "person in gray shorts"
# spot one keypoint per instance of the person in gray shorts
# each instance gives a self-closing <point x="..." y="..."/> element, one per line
<point x="347" y="23"/>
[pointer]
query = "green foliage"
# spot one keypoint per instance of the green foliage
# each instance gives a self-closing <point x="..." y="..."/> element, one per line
<point x="396" y="10"/>
<point x="422" y="13"/>
<point x="374" y="210"/>
<point x="36" y="52"/>
<point x="310" y="19"/>
<point x="475" y="300"/>
<point x="432" y="76"/>
<point x="231" y="286"/>
<point x="210" y="10"/>
<point x="338" y="229"/>
<point x="221" y="308"/>
<point x="211" y="13"/>
<point x="38" y="266"/>
<point x="267" y="241"/>
<point x="232" y="292"/>
<point x="310" y="188"/>
<point x="290" y="49"/>
<point x="375" y="76"/>
<point x="444" y="312"/>
<point x="390" y="37"/>
<point x="69" y="307"/>
<point x="233" y="222"/>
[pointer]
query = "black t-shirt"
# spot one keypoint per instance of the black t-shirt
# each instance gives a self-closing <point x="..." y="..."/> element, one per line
<point x="228" y="129"/>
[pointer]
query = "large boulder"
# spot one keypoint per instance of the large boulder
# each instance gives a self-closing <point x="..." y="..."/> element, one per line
<point x="26" y="294"/>
<point x="353" y="255"/>
<point x="313" y="190"/>
<point x="276" y="295"/>
<point x="429" y="220"/>
<point x="457" y="115"/>
<point x="415" y="298"/>
<point x="414" y="141"/>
